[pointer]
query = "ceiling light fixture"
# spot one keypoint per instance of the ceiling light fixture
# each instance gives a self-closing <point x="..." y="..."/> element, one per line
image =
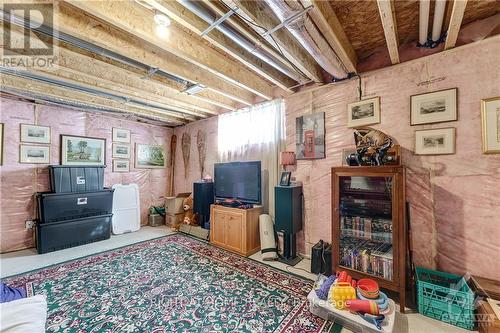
<point x="194" y="89"/>
<point x="162" y="19"/>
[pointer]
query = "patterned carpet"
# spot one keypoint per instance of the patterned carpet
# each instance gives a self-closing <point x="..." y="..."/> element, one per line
<point x="171" y="284"/>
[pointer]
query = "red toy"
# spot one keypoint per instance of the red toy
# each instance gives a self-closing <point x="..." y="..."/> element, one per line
<point x="358" y="305"/>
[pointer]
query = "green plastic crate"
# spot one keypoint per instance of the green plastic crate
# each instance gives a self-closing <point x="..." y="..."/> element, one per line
<point x="445" y="297"/>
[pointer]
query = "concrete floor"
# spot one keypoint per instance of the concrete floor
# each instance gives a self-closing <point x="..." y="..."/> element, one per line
<point x="26" y="260"/>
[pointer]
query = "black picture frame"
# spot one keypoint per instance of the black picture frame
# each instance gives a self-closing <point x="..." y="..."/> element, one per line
<point x="285" y="178"/>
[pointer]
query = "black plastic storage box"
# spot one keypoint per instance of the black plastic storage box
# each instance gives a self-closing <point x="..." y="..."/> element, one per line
<point x="54" y="207"/>
<point x="68" y="178"/>
<point x="61" y="235"/>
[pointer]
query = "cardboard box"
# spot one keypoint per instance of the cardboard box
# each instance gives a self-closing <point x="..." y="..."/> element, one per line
<point x="174" y="219"/>
<point x="156" y="220"/>
<point x="487" y="321"/>
<point x="173" y="205"/>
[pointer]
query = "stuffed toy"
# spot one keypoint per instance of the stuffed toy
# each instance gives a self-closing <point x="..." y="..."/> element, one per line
<point x="189" y="216"/>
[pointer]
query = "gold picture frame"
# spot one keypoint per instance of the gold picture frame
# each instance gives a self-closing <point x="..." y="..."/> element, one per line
<point x="438" y="141"/>
<point x="1" y="143"/>
<point x="490" y="125"/>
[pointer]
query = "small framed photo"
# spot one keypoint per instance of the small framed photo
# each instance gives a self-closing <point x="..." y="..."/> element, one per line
<point x="490" y="120"/>
<point x="149" y="156"/>
<point x="121" y="166"/>
<point x="121" y="135"/>
<point x="34" y="154"/>
<point x="80" y="150"/>
<point x="439" y="141"/>
<point x="434" y="107"/>
<point x="363" y="113"/>
<point x="121" y="150"/>
<point x="285" y="178"/>
<point x="35" y="133"/>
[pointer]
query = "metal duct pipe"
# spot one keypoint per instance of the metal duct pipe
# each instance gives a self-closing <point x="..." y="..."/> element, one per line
<point x="209" y="17"/>
<point x="438" y="19"/>
<point x="304" y="30"/>
<point x="423" y="31"/>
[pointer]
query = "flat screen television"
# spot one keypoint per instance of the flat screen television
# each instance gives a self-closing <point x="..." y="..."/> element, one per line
<point x="238" y="180"/>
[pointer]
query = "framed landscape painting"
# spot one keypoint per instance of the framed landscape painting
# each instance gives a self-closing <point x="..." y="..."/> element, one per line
<point x="149" y="156"/>
<point x="79" y="150"/>
<point x="439" y="141"/>
<point x="310" y="136"/>
<point x="34" y="154"/>
<point x="121" y="165"/>
<point x="121" y="150"/>
<point x="363" y="113"/>
<point x="434" y="107"/>
<point x="35" y="133"/>
<point x="121" y="135"/>
<point x="490" y="119"/>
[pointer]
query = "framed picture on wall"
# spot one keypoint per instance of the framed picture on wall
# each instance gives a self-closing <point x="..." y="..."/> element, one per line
<point x="1" y="143"/>
<point x="121" y="166"/>
<point x="121" y="135"/>
<point x="149" y="156"/>
<point x="35" y="133"/>
<point x="80" y="150"/>
<point x="121" y="150"/>
<point x="439" y="141"/>
<point x="363" y="113"/>
<point x="434" y="107"/>
<point x="310" y="136"/>
<point x="490" y="120"/>
<point x="34" y="154"/>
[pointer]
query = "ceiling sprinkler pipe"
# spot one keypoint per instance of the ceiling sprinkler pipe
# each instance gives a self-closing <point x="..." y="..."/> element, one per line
<point x="209" y="17"/>
<point x="308" y="35"/>
<point x="438" y="19"/>
<point x="423" y="21"/>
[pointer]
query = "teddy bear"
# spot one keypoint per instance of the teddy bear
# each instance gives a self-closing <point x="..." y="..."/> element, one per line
<point x="189" y="215"/>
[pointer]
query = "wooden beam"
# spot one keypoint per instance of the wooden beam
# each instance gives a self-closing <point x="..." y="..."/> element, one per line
<point x="219" y="91"/>
<point x="138" y="22"/>
<point x="328" y="23"/>
<point x="8" y="83"/>
<point x="457" y="14"/>
<point x="388" y="17"/>
<point x="261" y="15"/>
<point x="191" y="21"/>
<point x="236" y="22"/>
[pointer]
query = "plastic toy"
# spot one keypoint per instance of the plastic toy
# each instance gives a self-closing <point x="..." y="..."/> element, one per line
<point x="341" y="292"/>
<point x="368" y="288"/>
<point x="357" y="305"/>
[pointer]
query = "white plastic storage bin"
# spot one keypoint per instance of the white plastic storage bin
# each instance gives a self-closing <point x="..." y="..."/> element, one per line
<point x="126" y="209"/>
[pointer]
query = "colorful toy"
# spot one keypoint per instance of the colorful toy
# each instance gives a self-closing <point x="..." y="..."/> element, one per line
<point x="382" y="301"/>
<point x="368" y="288"/>
<point x="341" y="292"/>
<point x="189" y="216"/>
<point x="357" y="305"/>
<point x="322" y="292"/>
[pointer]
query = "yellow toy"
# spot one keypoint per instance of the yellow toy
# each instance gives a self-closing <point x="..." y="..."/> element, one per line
<point x="340" y="293"/>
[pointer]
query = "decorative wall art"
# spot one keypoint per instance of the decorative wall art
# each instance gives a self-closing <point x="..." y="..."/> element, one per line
<point x="186" y="150"/>
<point x="121" y="135"/>
<point x="202" y="150"/>
<point x="490" y="119"/>
<point x="149" y="156"/>
<point x="79" y="150"/>
<point x="121" y="165"/>
<point x="34" y="154"/>
<point x="35" y="133"/>
<point x="439" y="141"/>
<point x="1" y="143"/>
<point x="434" y="107"/>
<point x="310" y="136"/>
<point x="121" y="150"/>
<point x="362" y="113"/>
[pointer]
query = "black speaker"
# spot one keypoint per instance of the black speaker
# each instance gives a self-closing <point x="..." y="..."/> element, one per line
<point x="203" y="197"/>
<point x="288" y="208"/>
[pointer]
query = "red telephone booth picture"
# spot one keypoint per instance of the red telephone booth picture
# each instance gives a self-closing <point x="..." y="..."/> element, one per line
<point x="309" y="144"/>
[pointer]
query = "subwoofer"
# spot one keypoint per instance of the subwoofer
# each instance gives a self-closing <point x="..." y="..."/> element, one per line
<point x="203" y="197"/>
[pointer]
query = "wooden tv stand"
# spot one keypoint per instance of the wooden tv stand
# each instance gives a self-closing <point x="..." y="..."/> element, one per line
<point x="235" y="229"/>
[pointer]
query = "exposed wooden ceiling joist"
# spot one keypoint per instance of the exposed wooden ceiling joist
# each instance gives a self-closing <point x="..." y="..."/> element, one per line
<point x="325" y="18"/>
<point x="81" y="26"/>
<point x="138" y="21"/>
<point x="194" y="23"/>
<point x="386" y="10"/>
<point x="257" y="12"/>
<point x="8" y="82"/>
<point x="457" y="14"/>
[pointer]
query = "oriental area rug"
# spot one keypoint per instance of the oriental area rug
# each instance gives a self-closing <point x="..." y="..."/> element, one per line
<point x="171" y="284"/>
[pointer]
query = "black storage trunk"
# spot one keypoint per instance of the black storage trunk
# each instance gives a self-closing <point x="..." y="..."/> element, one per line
<point x="66" y="178"/>
<point x="60" y="235"/>
<point x="54" y="207"/>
